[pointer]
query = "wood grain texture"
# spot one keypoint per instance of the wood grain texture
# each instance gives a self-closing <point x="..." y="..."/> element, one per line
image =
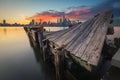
<point x="85" y="41"/>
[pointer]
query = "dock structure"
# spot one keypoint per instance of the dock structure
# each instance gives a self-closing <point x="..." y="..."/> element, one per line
<point x="116" y="59"/>
<point x="82" y="43"/>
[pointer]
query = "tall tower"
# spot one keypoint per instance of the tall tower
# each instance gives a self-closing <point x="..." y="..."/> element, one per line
<point x="60" y="20"/>
<point x="32" y="22"/>
<point x="4" y="22"/>
<point x="57" y="21"/>
<point x="63" y="18"/>
<point x="40" y="22"/>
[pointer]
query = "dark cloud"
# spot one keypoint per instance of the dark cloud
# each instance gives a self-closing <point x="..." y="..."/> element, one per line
<point x="107" y="5"/>
<point x="74" y="7"/>
<point x="51" y="12"/>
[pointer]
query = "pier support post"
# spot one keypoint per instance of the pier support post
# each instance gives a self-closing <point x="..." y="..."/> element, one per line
<point x="40" y="37"/>
<point x="59" y="64"/>
<point x="44" y="50"/>
<point x="57" y="67"/>
<point x="43" y="44"/>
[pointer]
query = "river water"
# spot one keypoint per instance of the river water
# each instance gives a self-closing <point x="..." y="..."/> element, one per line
<point x="19" y="59"/>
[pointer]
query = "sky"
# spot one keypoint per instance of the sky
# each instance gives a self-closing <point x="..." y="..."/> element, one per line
<point x="23" y="11"/>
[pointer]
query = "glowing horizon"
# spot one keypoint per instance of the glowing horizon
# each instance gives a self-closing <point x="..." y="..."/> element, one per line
<point x="23" y="11"/>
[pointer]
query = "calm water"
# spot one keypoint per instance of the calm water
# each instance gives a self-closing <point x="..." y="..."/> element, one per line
<point x="19" y="58"/>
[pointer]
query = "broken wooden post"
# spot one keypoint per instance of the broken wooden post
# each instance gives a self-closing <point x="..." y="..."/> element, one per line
<point x="110" y="30"/>
<point x="57" y="66"/>
<point x="116" y="59"/>
<point x="43" y="49"/>
<point x="117" y="42"/>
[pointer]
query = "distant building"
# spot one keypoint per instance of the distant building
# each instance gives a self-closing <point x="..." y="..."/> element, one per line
<point x="15" y="24"/>
<point x="59" y="22"/>
<point x="0" y="24"/>
<point x="63" y="18"/>
<point x="49" y="23"/>
<point x="4" y="22"/>
<point x="45" y="23"/>
<point x="32" y="23"/>
<point x="36" y="24"/>
<point x="63" y="21"/>
<point x="40" y="22"/>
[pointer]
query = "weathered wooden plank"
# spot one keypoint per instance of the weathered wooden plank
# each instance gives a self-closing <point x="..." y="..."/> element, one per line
<point x="85" y="40"/>
<point x="57" y="34"/>
<point x="53" y="34"/>
<point x="91" y="46"/>
<point x="79" y="52"/>
<point x="85" y="43"/>
<point x="81" y="37"/>
<point x="96" y="43"/>
<point x="79" y="49"/>
<point x="74" y="28"/>
<point x="47" y="33"/>
<point x="94" y="57"/>
<point x="74" y="40"/>
<point x="60" y="40"/>
<point x="116" y="59"/>
<point x="81" y="62"/>
<point x="80" y="32"/>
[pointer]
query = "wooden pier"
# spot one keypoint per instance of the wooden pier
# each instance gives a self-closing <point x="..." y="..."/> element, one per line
<point x="84" y="41"/>
<point x="81" y="43"/>
<point x="116" y="59"/>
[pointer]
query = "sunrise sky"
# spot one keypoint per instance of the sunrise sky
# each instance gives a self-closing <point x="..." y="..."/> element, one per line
<point x="22" y="11"/>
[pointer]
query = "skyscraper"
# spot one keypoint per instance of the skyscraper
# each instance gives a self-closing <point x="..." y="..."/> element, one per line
<point x="63" y="18"/>
<point x="4" y="22"/>
<point x="33" y="22"/>
<point x="40" y="22"/>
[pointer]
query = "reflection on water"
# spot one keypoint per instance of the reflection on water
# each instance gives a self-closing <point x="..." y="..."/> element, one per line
<point x="5" y="31"/>
<point x="20" y="57"/>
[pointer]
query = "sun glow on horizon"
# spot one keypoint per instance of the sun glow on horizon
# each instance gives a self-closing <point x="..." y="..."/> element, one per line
<point x="23" y="11"/>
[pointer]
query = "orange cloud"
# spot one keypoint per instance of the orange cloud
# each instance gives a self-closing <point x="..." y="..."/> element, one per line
<point x="44" y="17"/>
<point x="52" y="15"/>
<point x="83" y="10"/>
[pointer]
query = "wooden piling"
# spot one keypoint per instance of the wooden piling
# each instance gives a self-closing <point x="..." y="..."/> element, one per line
<point x="110" y="30"/>
<point x="57" y="66"/>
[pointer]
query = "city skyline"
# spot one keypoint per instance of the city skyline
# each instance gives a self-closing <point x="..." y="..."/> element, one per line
<point x="62" y="21"/>
<point x="23" y="11"/>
